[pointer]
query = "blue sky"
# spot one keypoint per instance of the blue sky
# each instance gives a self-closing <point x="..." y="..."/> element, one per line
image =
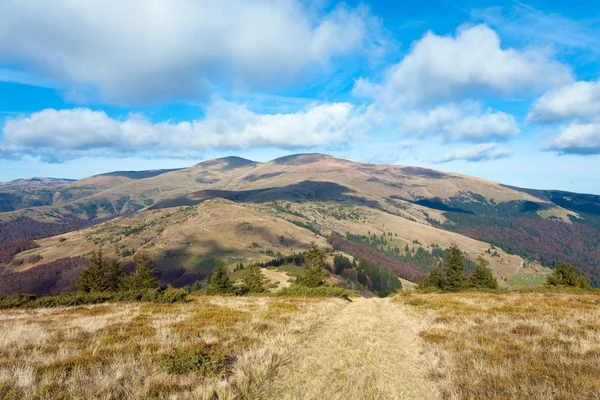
<point x="507" y="91"/>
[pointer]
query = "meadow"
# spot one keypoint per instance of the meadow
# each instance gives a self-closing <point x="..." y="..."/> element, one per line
<point x="411" y="346"/>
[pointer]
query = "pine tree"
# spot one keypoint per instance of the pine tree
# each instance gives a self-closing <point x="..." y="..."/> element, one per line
<point x="315" y="262"/>
<point x="220" y="283"/>
<point x="116" y="274"/>
<point x="144" y="276"/>
<point x="94" y="277"/>
<point x="434" y="280"/>
<point x="482" y="277"/>
<point x="254" y="280"/>
<point x="568" y="275"/>
<point x="454" y="270"/>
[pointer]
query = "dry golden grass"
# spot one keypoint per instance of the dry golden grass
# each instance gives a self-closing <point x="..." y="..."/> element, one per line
<point x="128" y="350"/>
<point x="512" y="346"/>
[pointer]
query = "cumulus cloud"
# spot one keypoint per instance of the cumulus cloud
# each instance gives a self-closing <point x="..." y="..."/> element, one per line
<point x="481" y="152"/>
<point x="577" y="101"/>
<point x="151" y="50"/>
<point x="581" y="139"/>
<point x="471" y="63"/>
<point x="58" y="135"/>
<point x="456" y="123"/>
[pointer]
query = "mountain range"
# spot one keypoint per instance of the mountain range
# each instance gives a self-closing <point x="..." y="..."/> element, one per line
<point x="241" y="210"/>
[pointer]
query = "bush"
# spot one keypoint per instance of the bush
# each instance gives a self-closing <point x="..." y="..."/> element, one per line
<point x="321" y="291"/>
<point x="173" y="295"/>
<point x="15" y="301"/>
<point x="160" y="296"/>
<point x="207" y="360"/>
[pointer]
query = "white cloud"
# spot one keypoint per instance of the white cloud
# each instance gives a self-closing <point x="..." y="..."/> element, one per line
<point x="456" y="123"/>
<point x="58" y="135"/>
<point x="151" y="50"/>
<point x="481" y="152"/>
<point x="581" y="139"/>
<point x="472" y="63"/>
<point x="577" y="101"/>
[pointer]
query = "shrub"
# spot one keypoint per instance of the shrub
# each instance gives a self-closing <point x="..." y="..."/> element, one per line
<point x="15" y="301"/>
<point x="208" y="360"/>
<point x="173" y="295"/>
<point x="321" y="291"/>
<point x="169" y="295"/>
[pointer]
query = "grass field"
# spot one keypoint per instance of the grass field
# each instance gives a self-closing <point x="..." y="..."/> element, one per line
<point x="512" y="346"/>
<point x="412" y="346"/>
<point x="208" y="348"/>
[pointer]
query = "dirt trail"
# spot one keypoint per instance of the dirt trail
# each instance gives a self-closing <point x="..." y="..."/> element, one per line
<point x="369" y="350"/>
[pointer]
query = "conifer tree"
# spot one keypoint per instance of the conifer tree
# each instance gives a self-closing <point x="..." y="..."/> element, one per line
<point x="315" y="262"/>
<point x="454" y="270"/>
<point x="220" y="283"/>
<point x="482" y="277"/>
<point x="434" y="280"/>
<point x="254" y="280"/>
<point x="144" y="276"/>
<point x="94" y="277"/>
<point x="568" y="275"/>
<point x="116" y="275"/>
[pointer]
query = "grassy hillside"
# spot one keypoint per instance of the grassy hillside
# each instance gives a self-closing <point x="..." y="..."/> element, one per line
<point x="319" y="195"/>
<point x="543" y="346"/>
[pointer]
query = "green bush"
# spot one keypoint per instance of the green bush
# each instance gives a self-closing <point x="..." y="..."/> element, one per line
<point x="173" y="295"/>
<point x="321" y="291"/>
<point x="208" y="360"/>
<point x="15" y="301"/>
<point x="161" y="296"/>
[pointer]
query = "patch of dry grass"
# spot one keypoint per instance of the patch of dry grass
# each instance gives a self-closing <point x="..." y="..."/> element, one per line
<point x="208" y="348"/>
<point x="512" y="346"/>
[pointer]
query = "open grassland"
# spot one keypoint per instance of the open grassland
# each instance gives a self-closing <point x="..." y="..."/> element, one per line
<point x="512" y="346"/>
<point x="211" y="347"/>
<point x="413" y="346"/>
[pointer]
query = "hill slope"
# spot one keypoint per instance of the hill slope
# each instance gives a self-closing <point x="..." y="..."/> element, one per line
<point x="314" y="196"/>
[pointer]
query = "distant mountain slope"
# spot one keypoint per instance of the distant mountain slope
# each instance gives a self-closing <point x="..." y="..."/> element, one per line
<point x="537" y="225"/>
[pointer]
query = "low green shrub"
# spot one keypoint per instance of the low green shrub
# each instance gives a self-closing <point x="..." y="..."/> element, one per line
<point x="172" y="295"/>
<point x="160" y="296"/>
<point x="15" y="301"/>
<point x="207" y="360"/>
<point x="320" y="291"/>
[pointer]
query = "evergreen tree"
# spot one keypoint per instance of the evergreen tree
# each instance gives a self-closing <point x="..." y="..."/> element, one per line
<point x="482" y="277"/>
<point x="315" y="262"/>
<point x="144" y="276"/>
<point x="94" y="277"/>
<point x="220" y="283"/>
<point x="341" y="263"/>
<point x="454" y="270"/>
<point x="116" y="275"/>
<point x="434" y="280"/>
<point x="568" y="275"/>
<point x="254" y="280"/>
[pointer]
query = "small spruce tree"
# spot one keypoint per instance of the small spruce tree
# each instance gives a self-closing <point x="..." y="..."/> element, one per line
<point x="482" y="277"/>
<point x="568" y="275"/>
<point x="254" y="280"/>
<point x="454" y="270"/>
<point x="116" y="275"/>
<point x="94" y="277"/>
<point x="434" y="280"/>
<point x="315" y="262"/>
<point x="144" y="276"/>
<point x="220" y="283"/>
